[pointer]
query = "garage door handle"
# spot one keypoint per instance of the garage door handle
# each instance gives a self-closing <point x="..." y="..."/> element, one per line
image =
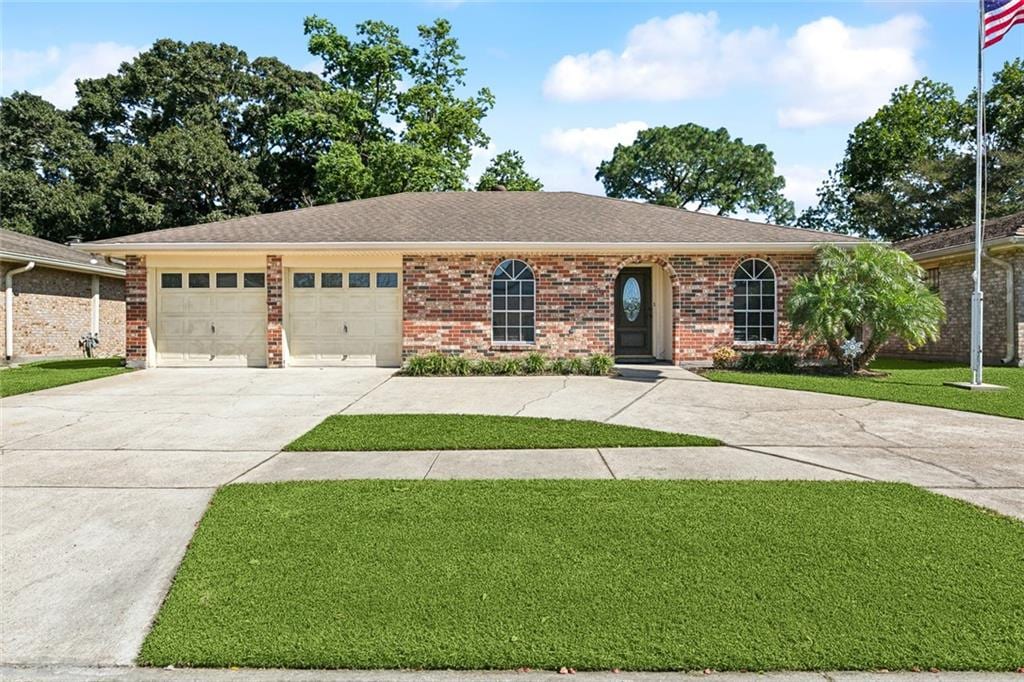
<point x="345" y="327"/>
<point x="213" y="328"/>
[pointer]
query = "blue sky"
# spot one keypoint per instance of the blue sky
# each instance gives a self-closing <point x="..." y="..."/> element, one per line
<point x="572" y="79"/>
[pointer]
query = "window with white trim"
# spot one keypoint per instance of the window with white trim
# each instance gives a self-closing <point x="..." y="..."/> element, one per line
<point x="513" y="302"/>
<point x="754" y="302"/>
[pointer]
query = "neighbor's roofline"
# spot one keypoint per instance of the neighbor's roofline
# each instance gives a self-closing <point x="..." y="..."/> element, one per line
<point x="966" y="247"/>
<point x="61" y="264"/>
<point x="427" y="247"/>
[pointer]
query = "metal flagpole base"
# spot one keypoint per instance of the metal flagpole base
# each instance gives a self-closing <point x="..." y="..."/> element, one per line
<point x="974" y="387"/>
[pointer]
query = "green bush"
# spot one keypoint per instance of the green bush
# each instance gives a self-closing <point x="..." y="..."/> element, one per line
<point x="511" y="366"/>
<point x="444" y="364"/>
<point x="534" y="363"/>
<point x="459" y="365"/>
<point x="600" y="364"/>
<point x="775" y="363"/>
<point x="486" y="367"/>
<point x="577" y="366"/>
<point x="558" y="366"/>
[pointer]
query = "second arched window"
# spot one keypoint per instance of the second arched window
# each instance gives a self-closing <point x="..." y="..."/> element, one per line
<point x="754" y="309"/>
<point x="513" y="302"/>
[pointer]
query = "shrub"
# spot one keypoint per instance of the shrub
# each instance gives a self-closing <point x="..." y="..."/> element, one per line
<point x="870" y="293"/>
<point x="485" y="367"/>
<point x="600" y="364"/>
<point x="778" y="363"/>
<point x="559" y="366"/>
<point x="534" y="363"/>
<point x="577" y="366"/>
<point x="510" y="366"/>
<point x="418" y="366"/>
<point x="724" y="357"/>
<point x="459" y="365"/>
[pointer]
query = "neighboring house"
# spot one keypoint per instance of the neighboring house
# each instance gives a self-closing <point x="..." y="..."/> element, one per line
<point x="53" y="295"/>
<point x="948" y="260"/>
<point x="374" y="281"/>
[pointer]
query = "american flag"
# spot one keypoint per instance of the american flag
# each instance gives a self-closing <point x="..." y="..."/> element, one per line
<point x="999" y="17"/>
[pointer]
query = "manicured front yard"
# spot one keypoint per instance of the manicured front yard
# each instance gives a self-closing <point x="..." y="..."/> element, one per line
<point x="478" y="432"/>
<point x="36" y="376"/>
<point x="650" y="575"/>
<point x="909" y="381"/>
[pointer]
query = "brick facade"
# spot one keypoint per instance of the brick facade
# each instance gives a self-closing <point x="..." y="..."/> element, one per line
<point x="136" y="314"/>
<point x="53" y="310"/>
<point x="275" y="312"/>
<point x="955" y="286"/>
<point x="446" y="302"/>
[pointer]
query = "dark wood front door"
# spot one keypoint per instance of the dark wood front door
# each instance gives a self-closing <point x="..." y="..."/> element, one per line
<point x="633" y="312"/>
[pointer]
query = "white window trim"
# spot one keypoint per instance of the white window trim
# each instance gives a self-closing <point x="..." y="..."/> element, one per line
<point x="775" y="307"/>
<point x="533" y="311"/>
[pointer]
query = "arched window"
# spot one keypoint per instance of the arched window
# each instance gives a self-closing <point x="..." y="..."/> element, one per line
<point x="512" y="303"/>
<point x="754" y="308"/>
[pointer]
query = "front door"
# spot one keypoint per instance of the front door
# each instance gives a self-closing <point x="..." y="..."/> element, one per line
<point x="633" y="313"/>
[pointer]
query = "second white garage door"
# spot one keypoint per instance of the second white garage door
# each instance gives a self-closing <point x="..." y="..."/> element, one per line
<point x="344" y="317"/>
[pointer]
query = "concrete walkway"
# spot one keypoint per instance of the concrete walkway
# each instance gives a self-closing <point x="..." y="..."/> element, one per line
<point x="102" y="483"/>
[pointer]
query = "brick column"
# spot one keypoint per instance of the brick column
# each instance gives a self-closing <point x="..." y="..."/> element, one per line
<point x="136" y="320"/>
<point x="275" y="312"/>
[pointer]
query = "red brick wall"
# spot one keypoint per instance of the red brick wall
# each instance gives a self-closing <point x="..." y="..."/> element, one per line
<point x="135" y="330"/>
<point x="275" y="312"/>
<point x="446" y="302"/>
<point x="955" y="288"/>
<point x="53" y="310"/>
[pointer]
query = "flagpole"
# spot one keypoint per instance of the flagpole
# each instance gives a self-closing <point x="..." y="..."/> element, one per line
<point x="978" y="298"/>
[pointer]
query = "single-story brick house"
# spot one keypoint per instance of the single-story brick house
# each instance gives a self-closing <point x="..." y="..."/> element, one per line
<point x="53" y="295"/>
<point x="375" y="281"/>
<point x="948" y="259"/>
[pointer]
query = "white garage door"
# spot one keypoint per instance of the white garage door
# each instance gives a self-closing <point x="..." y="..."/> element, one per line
<point x="211" y="318"/>
<point x="344" y="317"/>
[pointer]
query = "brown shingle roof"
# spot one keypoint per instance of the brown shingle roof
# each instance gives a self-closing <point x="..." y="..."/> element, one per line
<point x="482" y="217"/>
<point x="995" y="228"/>
<point x="26" y="247"/>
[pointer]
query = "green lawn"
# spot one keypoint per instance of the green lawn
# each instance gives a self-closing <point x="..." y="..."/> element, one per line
<point x="651" y="575"/>
<point x="909" y="381"/>
<point x="478" y="432"/>
<point x="36" y="376"/>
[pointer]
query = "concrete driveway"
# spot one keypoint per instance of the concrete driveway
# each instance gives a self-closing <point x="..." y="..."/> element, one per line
<point x="104" y="481"/>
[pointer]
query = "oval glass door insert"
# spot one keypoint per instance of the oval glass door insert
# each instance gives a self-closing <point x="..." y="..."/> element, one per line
<point x="631" y="299"/>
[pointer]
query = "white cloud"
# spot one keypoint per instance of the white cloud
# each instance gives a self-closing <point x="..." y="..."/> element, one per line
<point x="827" y="70"/>
<point x="681" y="57"/>
<point x="834" y="72"/>
<point x="478" y="162"/>
<point x="51" y="73"/>
<point x="590" y="146"/>
<point x="802" y="183"/>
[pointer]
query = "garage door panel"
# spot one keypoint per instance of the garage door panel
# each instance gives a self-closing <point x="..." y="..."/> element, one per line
<point x="343" y="325"/>
<point x="388" y="304"/>
<point x="219" y="327"/>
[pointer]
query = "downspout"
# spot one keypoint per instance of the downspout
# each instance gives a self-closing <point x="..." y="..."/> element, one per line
<point x="94" y="323"/>
<point x="9" y="307"/>
<point x="1011" y="323"/>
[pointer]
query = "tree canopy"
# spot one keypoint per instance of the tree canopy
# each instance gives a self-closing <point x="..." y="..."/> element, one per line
<point x="690" y="166"/>
<point x="508" y="170"/>
<point x="909" y="168"/>
<point x="192" y="132"/>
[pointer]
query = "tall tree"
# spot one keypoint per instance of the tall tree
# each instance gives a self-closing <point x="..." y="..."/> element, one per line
<point x="376" y="137"/>
<point x="49" y="171"/>
<point x="508" y="170"/>
<point x="909" y="168"/>
<point x="690" y="166"/>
